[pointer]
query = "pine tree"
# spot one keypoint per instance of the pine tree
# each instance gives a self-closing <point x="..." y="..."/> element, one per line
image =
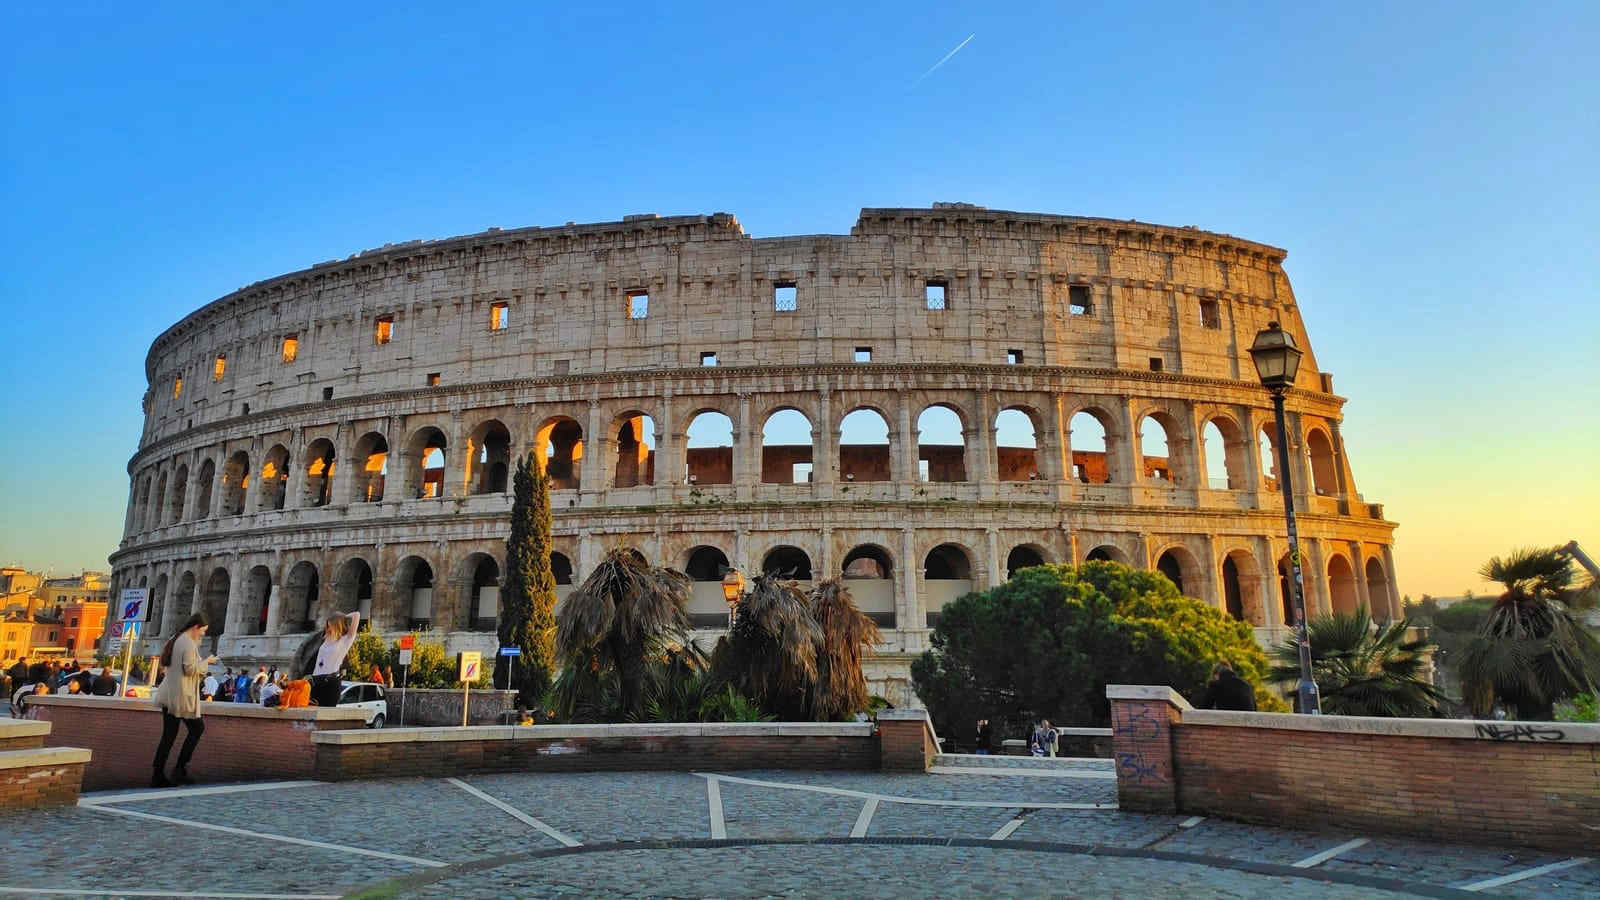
<point x="527" y="615"/>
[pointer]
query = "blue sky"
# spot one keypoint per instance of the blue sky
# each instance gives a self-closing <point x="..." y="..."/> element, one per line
<point x="1431" y="169"/>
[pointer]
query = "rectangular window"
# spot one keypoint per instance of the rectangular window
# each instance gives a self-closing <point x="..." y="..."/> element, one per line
<point x="935" y="293"/>
<point x="1013" y="357"/>
<point x="638" y="304"/>
<point x="784" y="296"/>
<point x="433" y="379"/>
<point x="220" y="368"/>
<point x="708" y="359"/>
<point x="562" y="366"/>
<point x="863" y="354"/>
<point x="1155" y="363"/>
<point x="385" y="332"/>
<point x="1210" y="314"/>
<point x="177" y="387"/>
<point x="327" y="393"/>
<point x="499" y="315"/>
<point x="802" y="472"/>
<point x="1078" y="303"/>
<point x="291" y="347"/>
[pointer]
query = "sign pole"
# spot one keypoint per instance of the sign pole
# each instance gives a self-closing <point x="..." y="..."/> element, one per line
<point x="127" y="660"/>
<point x="466" y="700"/>
<point x="405" y="679"/>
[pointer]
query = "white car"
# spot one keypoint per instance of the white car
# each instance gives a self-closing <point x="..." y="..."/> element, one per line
<point x="367" y="697"/>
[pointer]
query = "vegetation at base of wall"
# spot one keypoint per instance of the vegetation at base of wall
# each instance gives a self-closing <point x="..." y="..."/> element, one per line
<point x="528" y="600"/>
<point x="431" y="666"/>
<point x="1362" y="669"/>
<point x="1582" y="708"/>
<point x="1047" y="642"/>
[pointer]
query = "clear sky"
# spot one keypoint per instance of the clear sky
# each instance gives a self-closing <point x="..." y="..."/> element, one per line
<point x="1431" y="168"/>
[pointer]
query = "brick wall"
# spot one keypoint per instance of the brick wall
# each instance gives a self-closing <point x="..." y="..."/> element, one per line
<point x="906" y="740"/>
<point x="443" y="707"/>
<point x="40" y="778"/>
<point x="241" y="742"/>
<point x="22" y="735"/>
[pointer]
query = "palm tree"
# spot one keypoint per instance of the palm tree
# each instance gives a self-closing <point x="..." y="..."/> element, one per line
<point x="1362" y="669"/>
<point x="625" y="615"/>
<point x="1531" y="650"/>
<point x="770" y="653"/>
<point x="847" y="634"/>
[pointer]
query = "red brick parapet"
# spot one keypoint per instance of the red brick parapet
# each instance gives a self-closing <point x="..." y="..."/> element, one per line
<point x="33" y="776"/>
<point x="906" y="740"/>
<point x="1142" y="720"/>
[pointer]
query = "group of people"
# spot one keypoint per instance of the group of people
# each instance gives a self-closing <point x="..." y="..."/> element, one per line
<point x="54" y="677"/>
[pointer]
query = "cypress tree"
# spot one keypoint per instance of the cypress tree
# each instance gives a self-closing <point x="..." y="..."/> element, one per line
<point x="527" y="604"/>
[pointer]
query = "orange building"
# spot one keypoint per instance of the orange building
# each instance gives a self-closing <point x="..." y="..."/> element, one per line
<point x="82" y="623"/>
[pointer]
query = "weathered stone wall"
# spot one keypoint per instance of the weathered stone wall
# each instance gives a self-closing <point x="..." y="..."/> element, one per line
<point x="442" y="707"/>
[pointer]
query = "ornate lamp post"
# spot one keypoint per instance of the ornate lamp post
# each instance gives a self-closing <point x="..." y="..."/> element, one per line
<point x="732" y="590"/>
<point x="1277" y="360"/>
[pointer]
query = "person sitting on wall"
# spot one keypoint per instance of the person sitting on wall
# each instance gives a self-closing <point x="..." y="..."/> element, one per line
<point x="1228" y="691"/>
<point x="104" y="684"/>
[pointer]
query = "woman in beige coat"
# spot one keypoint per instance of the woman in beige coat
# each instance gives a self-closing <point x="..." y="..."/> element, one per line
<point x="179" y="698"/>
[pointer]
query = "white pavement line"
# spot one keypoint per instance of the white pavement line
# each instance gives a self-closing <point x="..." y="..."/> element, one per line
<point x="1191" y="822"/>
<point x="719" y="828"/>
<point x="1525" y="874"/>
<point x="84" y="892"/>
<point x="865" y="819"/>
<point x="515" y="813"/>
<point x="912" y="801"/>
<point x="1021" y="773"/>
<point x="137" y="796"/>
<point x="1317" y="859"/>
<point x="1007" y="829"/>
<point x="342" y="848"/>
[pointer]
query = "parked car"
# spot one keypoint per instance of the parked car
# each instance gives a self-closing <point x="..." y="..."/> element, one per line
<point x="367" y="697"/>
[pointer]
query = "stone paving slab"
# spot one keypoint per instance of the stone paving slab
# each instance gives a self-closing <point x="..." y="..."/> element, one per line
<point x="1109" y="829"/>
<point x="1436" y="863"/>
<point x="1284" y="846"/>
<point x="602" y="807"/>
<point x="1580" y="881"/>
<point x="760" y="812"/>
<point x="954" y="787"/>
<point x="902" y="820"/>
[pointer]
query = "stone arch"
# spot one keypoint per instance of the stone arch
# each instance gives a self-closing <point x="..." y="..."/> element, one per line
<point x="181" y="603"/>
<point x="941" y="444"/>
<point x="301" y="599"/>
<point x="784" y="460"/>
<point x="1342" y="585"/>
<point x="180" y="490"/>
<point x="635" y="449"/>
<point x="1159" y="440"/>
<point x="352" y="591"/>
<point x="1089" y="432"/>
<point x="1286" y="590"/>
<point x="1017" y="430"/>
<point x="141" y="505"/>
<point x="558" y="446"/>
<point x="1378" y="589"/>
<point x="158" y="606"/>
<point x="787" y="561"/>
<point x="1108" y="553"/>
<point x="1182" y="569"/>
<point x="705" y="566"/>
<point x="1024" y="556"/>
<point x="706" y="563"/>
<point x="425" y="463"/>
<point x="946" y="575"/>
<point x="1224" y="449"/>
<point x="214" y="603"/>
<point x="1324" y="471"/>
<point x="158" y="511"/>
<point x="274" y="479"/>
<point x="319" y="463"/>
<point x="1267" y="447"/>
<point x="708" y="448"/>
<point x="561" y="568"/>
<point x="864" y="453"/>
<point x="1244" y="596"/>
<point x="256" y="598"/>
<point x="235" y="482"/>
<point x="488" y="458"/>
<point x="868" y="570"/>
<point x="413" y="593"/>
<point x="371" y="465"/>
<point x="205" y="481"/>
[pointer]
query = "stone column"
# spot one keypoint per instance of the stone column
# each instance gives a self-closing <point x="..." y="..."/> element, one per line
<point x="997" y="566"/>
<point x="746" y="468"/>
<point x="1211" y="576"/>
<point x="1054" y="458"/>
<point x="1252" y="455"/>
<point x="987" y="471"/>
<point x="455" y="460"/>
<point x="591" y="474"/>
<point x="1299" y="464"/>
<point x="1125" y="449"/>
<point x="1315" y="578"/>
<point x="1271" y="595"/>
<point x="233" y="618"/>
<point x="1396" y="607"/>
<point x="252" y="487"/>
<point x="295" y="488"/>
<point x="190" y="494"/>
<point x="1358" y="563"/>
<point x="827" y="553"/>
<point x="824" y="438"/>
<point x="906" y="447"/>
<point x="345" y="466"/>
<point x="910" y="616"/>
<point x="133" y="498"/>
<point x="669" y="464"/>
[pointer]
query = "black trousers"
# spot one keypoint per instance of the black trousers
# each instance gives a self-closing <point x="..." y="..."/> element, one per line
<point x="325" y="689"/>
<point x="169" y="732"/>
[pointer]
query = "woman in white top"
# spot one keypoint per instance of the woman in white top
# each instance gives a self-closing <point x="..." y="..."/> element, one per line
<point x="337" y="636"/>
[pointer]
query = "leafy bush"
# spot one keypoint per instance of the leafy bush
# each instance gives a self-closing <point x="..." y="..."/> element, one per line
<point x="1582" y="708"/>
<point x="431" y="666"/>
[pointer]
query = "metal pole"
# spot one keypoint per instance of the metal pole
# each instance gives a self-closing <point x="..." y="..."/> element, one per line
<point x="466" y="701"/>
<point x="1309" y="702"/>
<point x="405" y="679"/>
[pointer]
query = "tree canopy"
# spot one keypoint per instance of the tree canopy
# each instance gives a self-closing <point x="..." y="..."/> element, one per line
<point x="527" y="604"/>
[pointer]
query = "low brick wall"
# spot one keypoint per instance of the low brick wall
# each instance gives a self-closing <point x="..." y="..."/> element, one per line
<point x="907" y="742"/>
<point x="432" y="707"/>
<point x="403" y="752"/>
<point x="1534" y="784"/>
<point x="36" y="778"/>
<point x="22" y="734"/>
<point x="241" y="742"/>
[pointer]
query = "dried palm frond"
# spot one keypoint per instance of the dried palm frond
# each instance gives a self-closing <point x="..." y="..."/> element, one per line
<point x="847" y="635"/>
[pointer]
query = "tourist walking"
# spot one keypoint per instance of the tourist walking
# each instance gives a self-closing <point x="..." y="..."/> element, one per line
<point x="985" y="737"/>
<point x="337" y="636"/>
<point x="1228" y="691"/>
<point x="179" y="698"/>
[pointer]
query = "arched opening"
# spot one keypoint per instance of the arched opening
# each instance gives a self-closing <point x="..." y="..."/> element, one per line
<point x="1342" y="585"/>
<point x="235" y="481"/>
<point x="1107" y="553"/>
<point x="1156" y="463"/>
<point x="274" y="479"/>
<point x="181" y="603"/>
<point x="141" y="507"/>
<point x="1016" y="446"/>
<point x="158" y="606"/>
<point x="1181" y="568"/>
<point x="559" y="444"/>
<point x="1091" y="450"/>
<point x="318" y="490"/>
<point x="488" y="458"/>
<point x="372" y="468"/>
<point x="203" y="485"/>
<point x="158" y="508"/>
<point x="636" y="451"/>
<point x="1022" y="557"/>
<point x="425" y="459"/>
<point x="1232" y="592"/>
<point x="709" y="457"/>
<point x="485" y="599"/>
<point x="946" y="575"/>
<point x="1224" y="451"/>
<point x="414" y="587"/>
<point x="786" y="448"/>
<point x="1378" y="590"/>
<point x="257" y="597"/>
<point x="705" y="568"/>
<point x="1269" y="460"/>
<point x="561" y="568"/>
<point x="215" y="604"/>
<point x="1323" y="473"/>
<point x="864" y="447"/>
<point x="1286" y="590"/>
<point x="180" y="491"/>
<point x="870" y="574"/>
<point x="352" y="591"/>
<point x="787" y="562"/>
<point x="941" y="446"/>
<point x="299" y="599"/>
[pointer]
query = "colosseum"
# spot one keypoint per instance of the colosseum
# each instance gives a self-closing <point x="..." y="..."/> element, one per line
<point x="924" y="405"/>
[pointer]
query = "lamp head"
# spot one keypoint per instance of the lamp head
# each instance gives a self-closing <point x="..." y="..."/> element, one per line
<point x="732" y="587"/>
<point x="1276" y="357"/>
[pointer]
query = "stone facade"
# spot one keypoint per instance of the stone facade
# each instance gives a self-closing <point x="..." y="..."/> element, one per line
<point x="339" y="437"/>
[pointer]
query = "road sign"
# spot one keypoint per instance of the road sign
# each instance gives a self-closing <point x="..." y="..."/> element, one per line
<point x="408" y="641"/>
<point x="469" y="663"/>
<point x="510" y="651"/>
<point x="135" y="604"/>
<point x="131" y="630"/>
<point x="405" y="657"/>
<point x="116" y="631"/>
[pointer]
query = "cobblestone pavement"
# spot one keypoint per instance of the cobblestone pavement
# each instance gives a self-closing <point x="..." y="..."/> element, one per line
<point x="1010" y="833"/>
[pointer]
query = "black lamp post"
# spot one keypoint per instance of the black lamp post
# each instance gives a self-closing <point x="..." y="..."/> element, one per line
<point x="1277" y="361"/>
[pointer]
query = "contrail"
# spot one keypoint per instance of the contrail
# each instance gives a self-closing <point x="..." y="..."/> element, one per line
<point x="946" y="58"/>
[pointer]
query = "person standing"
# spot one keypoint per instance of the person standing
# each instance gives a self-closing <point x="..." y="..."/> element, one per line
<point x="241" y="686"/>
<point x="985" y="737"/>
<point x="208" y="688"/>
<point x="179" y="698"/>
<point x="337" y="635"/>
<point x="1228" y="691"/>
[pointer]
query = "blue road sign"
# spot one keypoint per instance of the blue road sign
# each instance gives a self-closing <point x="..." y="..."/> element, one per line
<point x="510" y="651"/>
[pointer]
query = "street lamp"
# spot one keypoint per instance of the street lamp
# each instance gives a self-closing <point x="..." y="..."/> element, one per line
<point x="732" y="590"/>
<point x="1277" y="361"/>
